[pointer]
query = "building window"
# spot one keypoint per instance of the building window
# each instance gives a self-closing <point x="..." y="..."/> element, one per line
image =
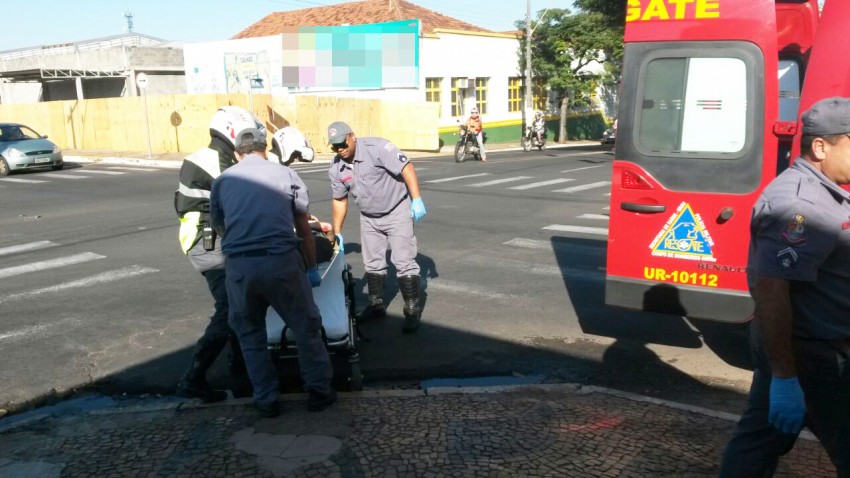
<point x="481" y="95"/>
<point x="540" y="96"/>
<point x="515" y="94"/>
<point x="432" y="89"/>
<point x="458" y="85"/>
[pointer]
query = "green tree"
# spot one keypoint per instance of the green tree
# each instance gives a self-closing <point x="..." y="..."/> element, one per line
<point x="563" y="44"/>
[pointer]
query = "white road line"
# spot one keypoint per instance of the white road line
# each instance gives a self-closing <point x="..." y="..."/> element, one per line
<point x="31" y="246"/>
<point x="51" y="264"/>
<point x="537" y="269"/>
<point x="64" y="176"/>
<point x="601" y="217"/>
<point x="455" y="178"/>
<point x="109" y="276"/>
<point x="602" y="231"/>
<point x="19" y="180"/>
<point x="574" y="249"/>
<point x="96" y="171"/>
<point x="133" y="169"/>
<point x="586" y="167"/>
<point x="606" y="208"/>
<point x="40" y="330"/>
<point x="311" y="169"/>
<point x="583" y="187"/>
<point x="466" y="289"/>
<point x="499" y="181"/>
<point x="543" y="183"/>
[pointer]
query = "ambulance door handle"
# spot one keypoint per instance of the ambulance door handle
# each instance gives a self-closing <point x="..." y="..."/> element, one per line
<point x="636" y="207"/>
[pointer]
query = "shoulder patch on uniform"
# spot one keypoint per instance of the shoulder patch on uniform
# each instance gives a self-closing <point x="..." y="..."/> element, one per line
<point x="794" y="233"/>
<point x="787" y="258"/>
<point x="402" y="157"/>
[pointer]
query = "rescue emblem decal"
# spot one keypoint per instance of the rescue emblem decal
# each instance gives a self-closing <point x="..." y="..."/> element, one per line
<point x="794" y="233"/>
<point x="684" y="236"/>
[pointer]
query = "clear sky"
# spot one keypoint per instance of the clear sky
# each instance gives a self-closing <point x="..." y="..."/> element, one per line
<point x="38" y="22"/>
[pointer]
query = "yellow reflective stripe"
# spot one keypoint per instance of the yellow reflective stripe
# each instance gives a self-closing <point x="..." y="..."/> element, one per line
<point x="188" y="230"/>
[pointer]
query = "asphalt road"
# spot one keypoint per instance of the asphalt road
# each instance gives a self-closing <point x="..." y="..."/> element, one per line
<point x="96" y="293"/>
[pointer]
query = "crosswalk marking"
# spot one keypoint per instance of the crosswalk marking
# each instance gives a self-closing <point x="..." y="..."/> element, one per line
<point x="576" y="249"/>
<point x="603" y="231"/>
<point x="586" y="167"/>
<point x="21" y="180"/>
<point x="133" y="168"/>
<point x="39" y="330"/>
<point x="455" y="178"/>
<point x="601" y="217"/>
<point x="50" y="264"/>
<point x="311" y="169"/>
<point x="583" y="187"/>
<point x="499" y="181"/>
<point x="466" y="289"/>
<point x="542" y="183"/>
<point x="64" y="176"/>
<point x="524" y="267"/>
<point x="109" y="276"/>
<point x="97" y="171"/>
<point x="31" y="246"/>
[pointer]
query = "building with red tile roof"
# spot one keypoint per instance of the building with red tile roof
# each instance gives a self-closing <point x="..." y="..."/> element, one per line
<point x="357" y="13"/>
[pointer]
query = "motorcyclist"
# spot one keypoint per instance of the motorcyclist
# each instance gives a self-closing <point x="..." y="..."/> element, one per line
<point x="290" y="144"/>
<point x="476" y="126"/>
<point x="539" y="126"/>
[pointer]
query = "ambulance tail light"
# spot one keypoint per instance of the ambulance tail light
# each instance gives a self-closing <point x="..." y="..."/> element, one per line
<point x="633" y="180"/>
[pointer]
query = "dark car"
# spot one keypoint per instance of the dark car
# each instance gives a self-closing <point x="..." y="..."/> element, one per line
<point x="609" y="136"/>
<point x="22" y="148"/>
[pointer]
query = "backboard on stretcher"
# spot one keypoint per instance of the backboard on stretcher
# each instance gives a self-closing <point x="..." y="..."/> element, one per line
<point x="329" y="297"/>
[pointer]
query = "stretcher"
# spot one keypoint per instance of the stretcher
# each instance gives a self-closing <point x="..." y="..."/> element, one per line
<point x="335" y="299"/>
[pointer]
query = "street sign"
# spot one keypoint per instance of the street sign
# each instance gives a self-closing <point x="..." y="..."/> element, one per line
<point x="142" y="81"/>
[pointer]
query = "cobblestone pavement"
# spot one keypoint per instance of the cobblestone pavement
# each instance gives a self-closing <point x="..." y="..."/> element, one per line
<point x="548" y="430"/>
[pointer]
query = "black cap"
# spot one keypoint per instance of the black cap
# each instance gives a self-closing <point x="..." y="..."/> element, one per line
<point x="250" y="135"/>
<point x="827" y="117"/>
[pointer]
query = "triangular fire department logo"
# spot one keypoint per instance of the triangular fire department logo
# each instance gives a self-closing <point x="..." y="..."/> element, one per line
<point x="684" y="237"/>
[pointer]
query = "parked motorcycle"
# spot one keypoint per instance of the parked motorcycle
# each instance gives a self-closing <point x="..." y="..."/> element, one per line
<point x="529" y="140"/>
<point x="466" y="146"/>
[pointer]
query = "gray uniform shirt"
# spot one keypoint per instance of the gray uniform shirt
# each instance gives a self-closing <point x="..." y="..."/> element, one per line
<point x="800" y="232"/>
<point x="254" y="202"/>
<point x="373" y="178"/>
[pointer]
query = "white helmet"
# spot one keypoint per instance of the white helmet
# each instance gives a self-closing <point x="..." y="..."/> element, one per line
<point x="538" y="114"/>
<point x="228" y="121"/>
<point x="290" y="141"/>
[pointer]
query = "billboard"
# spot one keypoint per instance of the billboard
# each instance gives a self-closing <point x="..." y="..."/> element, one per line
<point x="377" y="55"/>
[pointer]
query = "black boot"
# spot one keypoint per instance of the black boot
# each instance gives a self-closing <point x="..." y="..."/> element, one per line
<point x="376" y="308"/>
<point x="409" y="286"/>
<point x="194" y="382"/>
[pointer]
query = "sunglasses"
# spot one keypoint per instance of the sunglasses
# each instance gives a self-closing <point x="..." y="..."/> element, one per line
<point x="338" y="146"/>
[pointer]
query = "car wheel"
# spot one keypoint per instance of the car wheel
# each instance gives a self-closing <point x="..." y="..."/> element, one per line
<point x="4" y="167"/>
<point x="57" y="167"/>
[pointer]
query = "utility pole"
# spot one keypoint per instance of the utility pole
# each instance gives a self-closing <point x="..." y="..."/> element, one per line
<point x="528" y="105"/>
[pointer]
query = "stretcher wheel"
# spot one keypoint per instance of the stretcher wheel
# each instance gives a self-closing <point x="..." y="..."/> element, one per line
<point x="355" y="377"/>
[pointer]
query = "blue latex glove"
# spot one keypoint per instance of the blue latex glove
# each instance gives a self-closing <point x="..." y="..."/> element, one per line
<point x="417" y="209"/>
<point x="314" y="276"/>
<point x="787" y="406"/>
<point x="340" y="242"/>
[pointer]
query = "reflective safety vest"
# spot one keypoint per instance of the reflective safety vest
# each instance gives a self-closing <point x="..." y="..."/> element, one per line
<point x="192" y="198"/>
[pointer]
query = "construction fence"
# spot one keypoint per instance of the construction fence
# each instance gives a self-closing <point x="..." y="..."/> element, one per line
<point x="179" y="123"/>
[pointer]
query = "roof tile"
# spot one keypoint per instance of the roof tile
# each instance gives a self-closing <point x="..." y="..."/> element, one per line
<point x="355" y="13"/>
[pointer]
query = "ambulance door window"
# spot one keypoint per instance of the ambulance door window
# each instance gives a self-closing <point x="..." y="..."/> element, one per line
<point x="715" y="102"/>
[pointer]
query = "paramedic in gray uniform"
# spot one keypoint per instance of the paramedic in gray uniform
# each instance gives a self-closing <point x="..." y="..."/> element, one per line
<point x="258" y="206"/>
<point x="383" y="183"/>
<point x="799" y="275"/>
